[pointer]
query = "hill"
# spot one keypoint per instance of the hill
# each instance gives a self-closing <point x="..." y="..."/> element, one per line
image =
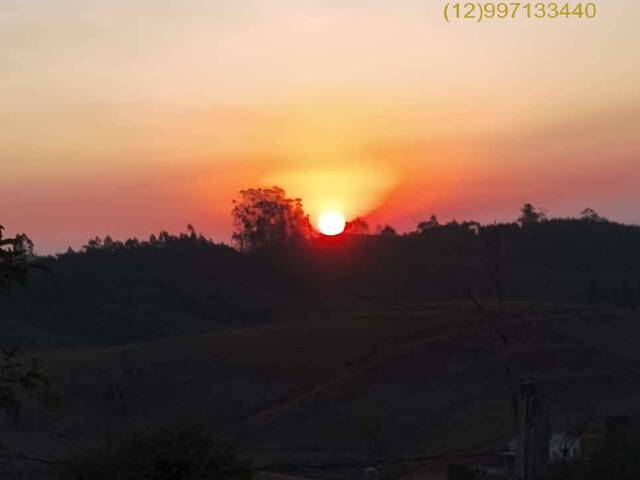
<point x="116" y="293"/>
<point x="111" y="296"/>
<point x="351" y="387"/>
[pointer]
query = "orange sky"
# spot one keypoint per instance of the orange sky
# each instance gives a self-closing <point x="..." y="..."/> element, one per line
<point x="127" y="117"/>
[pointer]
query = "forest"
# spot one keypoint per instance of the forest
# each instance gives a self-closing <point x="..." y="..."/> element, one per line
<point x="113" y="292"/>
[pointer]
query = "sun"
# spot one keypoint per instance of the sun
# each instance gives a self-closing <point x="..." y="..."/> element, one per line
<point x="331" y="223"/>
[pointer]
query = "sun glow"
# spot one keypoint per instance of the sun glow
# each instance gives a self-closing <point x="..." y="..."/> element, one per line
<point x="331" y="223"/>
<point x="352" y="189"/>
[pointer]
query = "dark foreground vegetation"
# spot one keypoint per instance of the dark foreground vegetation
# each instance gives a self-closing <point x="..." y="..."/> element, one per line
<point x="184" y="451"/>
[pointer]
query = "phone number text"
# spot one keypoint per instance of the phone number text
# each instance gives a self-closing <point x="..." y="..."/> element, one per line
<point x="479" y="11"/>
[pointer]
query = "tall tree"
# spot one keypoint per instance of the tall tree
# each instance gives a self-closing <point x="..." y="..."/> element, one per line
<point x="590" y="215"/>
<point x="530" y="215"/>
<point x="15" y="256"/>
<point x="357" y="226"/>
<point x="428" y="224"/>
<point x="265" y="218"/>
<point x="388" y="231"/>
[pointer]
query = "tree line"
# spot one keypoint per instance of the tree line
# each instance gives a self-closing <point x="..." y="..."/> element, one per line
<point x="265" y="218"/>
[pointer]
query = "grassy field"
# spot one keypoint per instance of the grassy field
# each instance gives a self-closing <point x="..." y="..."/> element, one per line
<point x="353" y="386"/>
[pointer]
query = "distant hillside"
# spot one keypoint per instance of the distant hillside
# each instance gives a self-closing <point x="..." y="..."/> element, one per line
<point x="123" y="295"/>
<point x="116" y="292"/>
<point x="561" y="260"/>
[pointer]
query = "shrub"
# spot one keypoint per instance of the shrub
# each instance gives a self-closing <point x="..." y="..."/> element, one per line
<point x="179" y="452"/>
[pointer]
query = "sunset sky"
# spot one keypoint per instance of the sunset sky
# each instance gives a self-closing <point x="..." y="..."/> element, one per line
<point x="125" y="117"/>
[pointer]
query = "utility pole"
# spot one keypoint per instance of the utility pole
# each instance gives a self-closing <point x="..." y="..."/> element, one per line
<point x="533" y="437"/>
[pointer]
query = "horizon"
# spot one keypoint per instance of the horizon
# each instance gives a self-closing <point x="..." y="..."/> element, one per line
<point x="330" y="230"/>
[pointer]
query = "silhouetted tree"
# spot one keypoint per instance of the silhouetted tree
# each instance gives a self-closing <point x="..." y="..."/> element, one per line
<point x="428" y="224"/>
<point x="164" y="237"/>
<point x="357" y="226"/>
<point x="388" y="230"/>
<point x="530" y="215"/>
<point x="266" y="218"/>
<point x="590" y="215"/>
<point x="14" y="257"/>
<point x="132" y="243"/>
<point x="108" y="243"/>
<point x="15" y="262"/>
<point x="93" y="244"/>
